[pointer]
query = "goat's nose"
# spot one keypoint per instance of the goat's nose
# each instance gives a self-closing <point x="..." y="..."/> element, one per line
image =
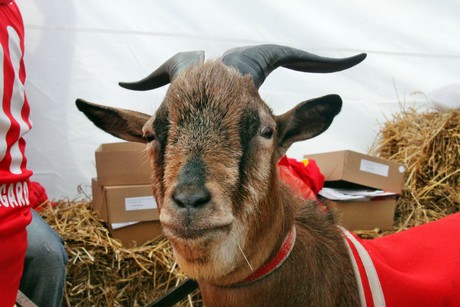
<point x="191" y="196"/>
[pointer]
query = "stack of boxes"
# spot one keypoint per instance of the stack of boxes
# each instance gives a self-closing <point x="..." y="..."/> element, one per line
<point x="122" y="193"/>
<point x="349" y="170"/>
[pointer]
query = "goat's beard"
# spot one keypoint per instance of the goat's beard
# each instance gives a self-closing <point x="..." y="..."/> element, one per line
<point x="211" y="258"/>
<point x="206" y="247"/>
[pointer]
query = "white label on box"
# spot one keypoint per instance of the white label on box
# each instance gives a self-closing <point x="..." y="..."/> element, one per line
<point x="121" y="225"/>
<point x="374" y="168"/>
<point x="140" y="203"/>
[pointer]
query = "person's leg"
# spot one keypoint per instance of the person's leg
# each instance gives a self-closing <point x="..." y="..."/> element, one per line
<point x="44" y="274"/>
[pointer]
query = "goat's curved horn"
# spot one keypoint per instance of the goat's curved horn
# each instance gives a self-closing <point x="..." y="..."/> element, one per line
<point x="166" y="72"/>
<point x="260" y="61"/>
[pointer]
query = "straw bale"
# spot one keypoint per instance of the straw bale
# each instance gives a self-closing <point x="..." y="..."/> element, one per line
<point x="428" y="144"/>
<point x="101" y="272"/>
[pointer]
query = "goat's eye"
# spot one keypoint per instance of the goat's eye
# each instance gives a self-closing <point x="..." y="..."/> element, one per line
<point x="267" y="132"/>
<point x="149" y="137"/>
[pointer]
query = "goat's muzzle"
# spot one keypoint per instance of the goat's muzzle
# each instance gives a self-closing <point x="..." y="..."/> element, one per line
<point x="190" y="191"/>
<point x="191" y="196"/>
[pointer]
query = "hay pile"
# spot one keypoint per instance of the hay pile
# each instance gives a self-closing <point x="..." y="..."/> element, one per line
<point x="428" y="144"/>
<point x="100" y="271"/>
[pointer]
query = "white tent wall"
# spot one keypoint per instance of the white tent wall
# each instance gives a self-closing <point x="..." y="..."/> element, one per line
<point x="82" y="48"/>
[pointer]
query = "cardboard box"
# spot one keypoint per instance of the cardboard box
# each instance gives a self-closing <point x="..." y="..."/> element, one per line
<point x="137" y="234"/>
<point x="348" y="168"/>
<point x="122" y="163"/>
<point x="98" y="204"/>
<point x="130" y="203"/>
<point x="365" y="215"/>
<point x="130" y="212"/>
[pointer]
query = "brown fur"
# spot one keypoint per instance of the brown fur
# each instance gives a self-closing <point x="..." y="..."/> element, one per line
<point x="213" y="115"/>
<point x="317" y="272"/>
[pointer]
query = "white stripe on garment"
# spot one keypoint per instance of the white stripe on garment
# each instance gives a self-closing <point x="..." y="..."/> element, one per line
<point x="17" y="100"/>
<point x="374" y="282"/>
<point x="5" y="122"/>
<point x="359" y="282"/>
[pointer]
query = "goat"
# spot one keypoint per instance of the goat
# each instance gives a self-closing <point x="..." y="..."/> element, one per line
<point x="214" y="144"/>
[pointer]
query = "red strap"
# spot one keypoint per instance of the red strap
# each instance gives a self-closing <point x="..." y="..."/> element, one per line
<point x="277" y="261"/>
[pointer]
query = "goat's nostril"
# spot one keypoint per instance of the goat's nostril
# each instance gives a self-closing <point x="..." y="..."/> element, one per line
<point x="191" y="197"/>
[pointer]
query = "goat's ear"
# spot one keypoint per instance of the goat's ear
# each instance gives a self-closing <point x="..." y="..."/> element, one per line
<point x="124" y="124"/>
<point x="306" y="120"/>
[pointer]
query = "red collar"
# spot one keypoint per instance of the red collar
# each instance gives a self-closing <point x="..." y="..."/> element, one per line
<point x="276" y="262"/>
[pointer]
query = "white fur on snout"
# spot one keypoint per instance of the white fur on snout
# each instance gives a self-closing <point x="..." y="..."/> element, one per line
<point x="219" y="248"/>
<point x="224" y="254"/>
<point x="228" y="255"/>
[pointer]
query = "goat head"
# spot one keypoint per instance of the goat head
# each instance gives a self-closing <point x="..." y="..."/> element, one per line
<point x="214" y="144"/>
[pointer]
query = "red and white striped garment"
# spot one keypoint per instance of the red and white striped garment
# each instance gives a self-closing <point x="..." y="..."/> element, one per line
<point x="416" y="267"/>
<point x="15" y="213"/>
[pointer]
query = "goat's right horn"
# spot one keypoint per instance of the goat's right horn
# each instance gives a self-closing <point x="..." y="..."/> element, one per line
<point x="260" y="61"/>
<point x="166" y="72"/>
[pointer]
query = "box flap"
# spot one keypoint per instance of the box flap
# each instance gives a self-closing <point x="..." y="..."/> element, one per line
<point x="360" y="169"/>
<point x="122" y="163"/>
<point x="98" y="202"/>
<point x="137" y="234"/>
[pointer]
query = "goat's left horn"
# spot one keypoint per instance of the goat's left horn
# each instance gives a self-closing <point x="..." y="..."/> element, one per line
<point x="166" y="72"/>
<point x="260" y="61"/>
